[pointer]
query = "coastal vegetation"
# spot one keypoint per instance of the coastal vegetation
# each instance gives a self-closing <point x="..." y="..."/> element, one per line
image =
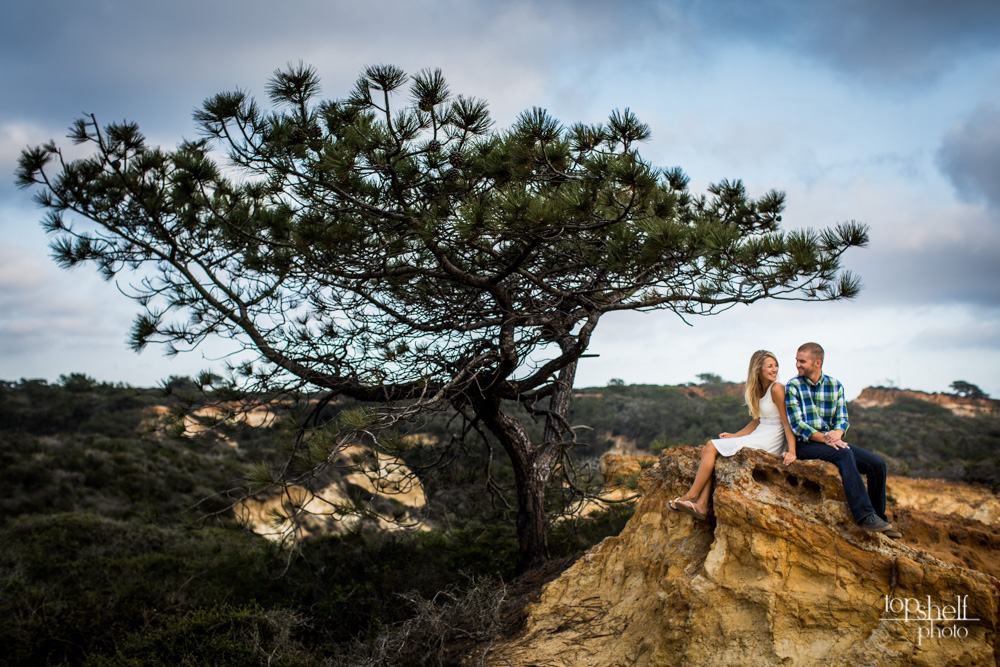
<point x="117" y="545"/>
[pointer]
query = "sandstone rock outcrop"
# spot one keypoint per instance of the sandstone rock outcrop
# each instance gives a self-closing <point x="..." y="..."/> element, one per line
<point x="208" y="420"/>
<point x="779" y="575"/>
<point x="963" y="407"/>
<point x="941" y="497"/>
<point x="616" y="469"/>
<point x="394" y="496"/>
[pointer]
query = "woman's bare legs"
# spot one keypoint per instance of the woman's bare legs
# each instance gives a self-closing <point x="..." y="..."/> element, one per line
<point x="701" y="488"/>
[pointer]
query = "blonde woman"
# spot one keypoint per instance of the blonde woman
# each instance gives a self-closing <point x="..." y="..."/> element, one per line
<point x="769" y="430"/>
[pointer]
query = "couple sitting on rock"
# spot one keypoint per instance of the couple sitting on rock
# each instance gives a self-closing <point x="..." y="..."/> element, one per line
<point x="805" y="419"/>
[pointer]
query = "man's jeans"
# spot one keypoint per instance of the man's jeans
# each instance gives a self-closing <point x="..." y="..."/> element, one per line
<point x="852" y="463"/>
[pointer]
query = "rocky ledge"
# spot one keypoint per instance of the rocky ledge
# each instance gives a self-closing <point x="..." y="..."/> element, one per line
<point x="779" y="575"/>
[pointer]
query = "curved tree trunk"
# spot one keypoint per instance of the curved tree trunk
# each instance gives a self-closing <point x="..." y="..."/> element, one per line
<point x="533" y="466"/>
<point x="532" y="534"/>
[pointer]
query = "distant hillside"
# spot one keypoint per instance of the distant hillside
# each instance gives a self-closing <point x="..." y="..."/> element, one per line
<point x="964" y="407"/>
<point x="922" y="435"/>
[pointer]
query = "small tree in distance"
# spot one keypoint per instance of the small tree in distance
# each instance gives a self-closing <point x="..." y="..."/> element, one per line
<point x="395" y="248"/>
<point x="967" y="389"/>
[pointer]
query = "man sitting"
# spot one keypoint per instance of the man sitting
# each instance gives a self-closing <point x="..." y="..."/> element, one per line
<point x="817" y="413"/>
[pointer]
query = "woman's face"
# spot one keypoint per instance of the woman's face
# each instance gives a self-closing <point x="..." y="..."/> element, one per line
<point x="769" y="371"/>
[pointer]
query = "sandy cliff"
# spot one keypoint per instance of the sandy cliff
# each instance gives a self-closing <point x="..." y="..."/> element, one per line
<point x="209" y="419"/>
<point x="780" y="576"/>
<point x="963" y="407"/>
<point x="945" y="497"/>
<point x="392" y="493"/>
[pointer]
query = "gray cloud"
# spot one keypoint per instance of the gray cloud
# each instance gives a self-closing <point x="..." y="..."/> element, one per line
<point x="970" y="155"/>
<point x="53" y="323"/>
<point x="923" y="250"/>
<point x="155" y="62"/>
<point x="152" y="61"/>
<point x="888" y="40"/>
<point x="38" y="315"/>
<point x="940" y="270"/>
<point x="980" y="335"/>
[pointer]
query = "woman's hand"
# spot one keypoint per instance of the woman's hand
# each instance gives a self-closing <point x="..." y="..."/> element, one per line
<point x="727" y="435"/>
<point x="788" y="457"/>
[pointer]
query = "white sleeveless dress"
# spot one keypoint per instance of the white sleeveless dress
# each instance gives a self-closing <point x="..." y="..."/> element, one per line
<point x="769" y="434"/>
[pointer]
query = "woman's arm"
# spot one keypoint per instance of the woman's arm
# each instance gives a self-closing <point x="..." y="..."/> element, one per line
<point x="778" y="396"/>
<point x="746" y="430"/>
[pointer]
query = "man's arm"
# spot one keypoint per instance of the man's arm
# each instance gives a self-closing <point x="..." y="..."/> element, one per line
<point x="796" y="412"/>
<point x="838" y="417"/>
<point x="840" y="413"/>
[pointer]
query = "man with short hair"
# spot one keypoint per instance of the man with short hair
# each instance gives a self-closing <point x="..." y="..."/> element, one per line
<point x="817" y="413"/>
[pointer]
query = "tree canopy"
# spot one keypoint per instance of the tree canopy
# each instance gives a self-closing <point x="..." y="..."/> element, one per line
<point x="967" y="389"/>
<point x="394" y="246"/>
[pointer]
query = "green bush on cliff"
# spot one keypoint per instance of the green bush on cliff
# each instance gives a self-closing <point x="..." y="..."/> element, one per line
<point x="79" y="587"/>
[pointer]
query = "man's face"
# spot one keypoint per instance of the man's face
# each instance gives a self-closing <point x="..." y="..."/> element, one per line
<point x="806" y="366"/>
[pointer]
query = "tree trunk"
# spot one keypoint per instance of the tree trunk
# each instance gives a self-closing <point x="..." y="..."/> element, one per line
<point x="556" y="425"/>
<point x="532" y="528"/>
<point x="530" y="479"/>
<point x="533" y="466"/>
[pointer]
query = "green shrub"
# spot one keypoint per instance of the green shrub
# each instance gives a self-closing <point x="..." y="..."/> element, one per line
<point x="221" y="636"/>
<point x="75" y="583"/>
<point x="575" y="535"/>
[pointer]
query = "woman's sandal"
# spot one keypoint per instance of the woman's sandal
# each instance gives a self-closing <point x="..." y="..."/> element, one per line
<point x="687" y="507"/>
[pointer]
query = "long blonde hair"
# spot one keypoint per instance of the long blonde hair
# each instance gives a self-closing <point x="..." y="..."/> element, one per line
<point x="755" y="388"/>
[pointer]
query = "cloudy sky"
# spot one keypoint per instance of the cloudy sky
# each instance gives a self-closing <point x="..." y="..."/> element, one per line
<point x="883" y="112"/>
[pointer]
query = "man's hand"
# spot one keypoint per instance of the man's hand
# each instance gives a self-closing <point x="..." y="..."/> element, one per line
<point x="833" y="438"/>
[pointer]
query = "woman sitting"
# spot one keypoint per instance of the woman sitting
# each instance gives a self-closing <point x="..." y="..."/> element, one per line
<point x="769" y="430"/>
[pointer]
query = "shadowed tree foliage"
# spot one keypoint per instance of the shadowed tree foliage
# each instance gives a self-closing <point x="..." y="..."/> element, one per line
<point x="967" y="389"/>
<point x="393" y="247"/>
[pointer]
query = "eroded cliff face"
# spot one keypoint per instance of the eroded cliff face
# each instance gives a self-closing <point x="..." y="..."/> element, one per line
<point x="945" y="497"/>
<point x="393" y="494"/>
<point x="779" y="576"/>
<point x="963" y="407"/>
<point x="208" y="420"/>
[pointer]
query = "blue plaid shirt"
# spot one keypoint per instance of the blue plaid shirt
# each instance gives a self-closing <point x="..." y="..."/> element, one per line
<point x="815" y="407"/>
